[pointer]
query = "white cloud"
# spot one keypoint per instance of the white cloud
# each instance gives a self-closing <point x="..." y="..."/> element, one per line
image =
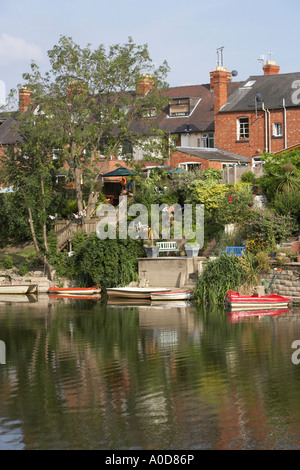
<point x="14" y="49"/>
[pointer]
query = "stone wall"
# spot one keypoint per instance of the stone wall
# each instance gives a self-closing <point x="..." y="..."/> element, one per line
<point x="167" y="271"/>
<point x="288" y="281"/>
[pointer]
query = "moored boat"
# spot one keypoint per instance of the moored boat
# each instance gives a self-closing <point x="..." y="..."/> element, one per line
<point x="172" y="295"/>
<point x="18" y="288"/>
<point x="236" y="301"/>
<point x="134" y="292"/>
<point x="74" y="290"/>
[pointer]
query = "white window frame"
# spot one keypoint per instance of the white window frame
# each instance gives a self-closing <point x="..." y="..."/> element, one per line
<point x="242" y="128"/>
<point x="277" y="129"/>
<point x="185" y="165"/>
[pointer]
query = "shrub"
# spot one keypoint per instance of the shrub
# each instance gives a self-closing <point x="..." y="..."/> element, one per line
<point x="8" y="262"/>
<point x="235" y="204"/>
<point x="248" y="177"/>
<point x="106" y="263"/>
<point x="224" y="274"/>
<point x="288" y="202"/>
<point x="269" y="227"/>
<point x="23" y="269"/>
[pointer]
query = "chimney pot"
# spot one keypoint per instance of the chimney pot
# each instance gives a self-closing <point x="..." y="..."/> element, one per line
<point x="270" y="68"/>
<point x="24" y="99"/>
<point x="145" y="84"/>
<point x="219" y="78"/>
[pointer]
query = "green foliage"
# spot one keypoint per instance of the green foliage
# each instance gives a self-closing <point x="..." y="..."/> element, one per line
<point x="211" y="174"/>
<point x="105" y="263"/>
<point x="207" y="192"/>
<point x="235" y="204"/>
<point x="288" y="203"/>
<point x="78" y="97"/>
<point x="224" y="274"/>
<point x="23" y="269"/>
<point x="8" y="262"/>
<point x="70" y="207"/>
<point x="248" y="177"/>
<point x="281" y="174"/>
<point x="186" y="181"/>
<point x="14" y="219"/>
<point x="269" y="227"/>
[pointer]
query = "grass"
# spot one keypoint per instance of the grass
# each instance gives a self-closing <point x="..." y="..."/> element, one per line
<point x="22" y="260"/>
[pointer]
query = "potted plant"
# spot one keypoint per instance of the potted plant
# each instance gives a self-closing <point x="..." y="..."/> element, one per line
<point x="192" y="248"/>
<point x="151" y="249"/>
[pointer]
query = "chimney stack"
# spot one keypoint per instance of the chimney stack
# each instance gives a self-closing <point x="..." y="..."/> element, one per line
<point x="145" y="84"/>
<point x="219" y="78"/>
<point x="270" y="68"/>
<point x="24" y="99"/>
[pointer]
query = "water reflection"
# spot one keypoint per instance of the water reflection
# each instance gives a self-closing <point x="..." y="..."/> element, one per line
<point x="86" y="374"/>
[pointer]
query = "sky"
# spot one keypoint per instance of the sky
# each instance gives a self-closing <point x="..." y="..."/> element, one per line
<point x="186" y="34"/>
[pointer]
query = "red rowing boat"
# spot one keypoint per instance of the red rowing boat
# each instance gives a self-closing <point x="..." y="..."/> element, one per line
<point x="236" y="301"/>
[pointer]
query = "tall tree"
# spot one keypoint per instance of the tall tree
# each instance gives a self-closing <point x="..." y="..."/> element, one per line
<point x="90" y="100"/>
<point x="29" y="167"/>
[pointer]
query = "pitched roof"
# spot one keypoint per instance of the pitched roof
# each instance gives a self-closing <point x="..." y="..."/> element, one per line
<point x="8" y="133"/>
<point x="272" y="88"/>
<point x="201" y="118"/>
<point x="213" y="154"/>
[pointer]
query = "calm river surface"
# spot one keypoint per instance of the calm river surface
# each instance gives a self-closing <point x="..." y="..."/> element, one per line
<point x="84" y="374"/>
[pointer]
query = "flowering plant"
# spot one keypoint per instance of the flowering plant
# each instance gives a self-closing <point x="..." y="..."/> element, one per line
<point x="235" y="204"/>
<point x="269" y="227"/>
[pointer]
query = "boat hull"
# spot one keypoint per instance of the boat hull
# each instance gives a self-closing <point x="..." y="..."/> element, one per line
<point x="235" y="301"/>
<point x="18" y="288"/>
<point x="172" y="295"/>
<point x="133" y="292"/>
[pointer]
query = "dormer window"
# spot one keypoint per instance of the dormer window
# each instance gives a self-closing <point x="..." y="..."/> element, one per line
<point x="179" y="107"/>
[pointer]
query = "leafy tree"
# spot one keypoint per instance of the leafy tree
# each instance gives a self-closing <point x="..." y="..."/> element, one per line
<point x="29" y="168"/>
<point x="89" y="106"/>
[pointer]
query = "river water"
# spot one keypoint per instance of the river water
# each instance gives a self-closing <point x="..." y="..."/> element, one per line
<point x="86" y="374"/>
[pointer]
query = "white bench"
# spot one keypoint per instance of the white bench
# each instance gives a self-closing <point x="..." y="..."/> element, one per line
<point x="167" y="246"/>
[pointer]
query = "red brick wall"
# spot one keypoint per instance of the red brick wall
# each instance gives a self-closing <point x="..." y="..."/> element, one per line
<point x="226" y="132"/>
<point x="179" y="157"/>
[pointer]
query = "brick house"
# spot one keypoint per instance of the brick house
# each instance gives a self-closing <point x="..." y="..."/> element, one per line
<point x="261" y="115"/>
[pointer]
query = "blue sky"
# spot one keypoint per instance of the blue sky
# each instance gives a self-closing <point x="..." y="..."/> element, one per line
<point x="185" y="33"/>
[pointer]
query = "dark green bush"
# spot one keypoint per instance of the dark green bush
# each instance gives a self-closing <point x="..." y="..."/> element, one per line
<point x="8" y="262"/>
<point x="105" y="263"/>
<point x="248" y="177"/>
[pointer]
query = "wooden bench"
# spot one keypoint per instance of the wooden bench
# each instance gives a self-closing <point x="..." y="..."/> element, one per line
<point x="234" y="250"/>
<point x="167" y="246"/>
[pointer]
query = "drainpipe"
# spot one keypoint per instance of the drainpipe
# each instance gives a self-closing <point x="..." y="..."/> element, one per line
<point x="269" y="114"/>
<point x="284" y="123"/>
<point x="266" y="127"/>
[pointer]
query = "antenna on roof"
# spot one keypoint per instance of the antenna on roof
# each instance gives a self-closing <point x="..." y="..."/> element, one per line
<point x="262" y="59"/>
<point x="220" y="56"/>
